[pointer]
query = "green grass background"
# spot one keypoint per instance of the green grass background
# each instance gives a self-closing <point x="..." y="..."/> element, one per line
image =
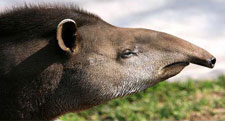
<point x="191" y="100"/>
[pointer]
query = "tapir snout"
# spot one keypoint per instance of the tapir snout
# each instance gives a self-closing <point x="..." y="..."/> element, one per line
<point x="193" y="53"/>
<point x="169" y="53"/>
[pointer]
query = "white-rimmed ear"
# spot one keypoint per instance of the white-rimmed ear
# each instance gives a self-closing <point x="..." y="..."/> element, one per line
<point x="67" y="35"/>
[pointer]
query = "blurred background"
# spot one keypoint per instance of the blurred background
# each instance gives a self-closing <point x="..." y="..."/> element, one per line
<point x="201" y="22"/>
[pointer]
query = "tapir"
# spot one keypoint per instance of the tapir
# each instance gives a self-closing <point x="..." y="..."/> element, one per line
<point x="56" y="59"/>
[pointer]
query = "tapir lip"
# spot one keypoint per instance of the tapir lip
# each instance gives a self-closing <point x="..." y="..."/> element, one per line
<point x="172" y="69"/>
<point x="179" y="63"/>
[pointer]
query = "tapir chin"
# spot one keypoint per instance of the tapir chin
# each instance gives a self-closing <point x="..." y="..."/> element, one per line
<point x="59" y="59"/>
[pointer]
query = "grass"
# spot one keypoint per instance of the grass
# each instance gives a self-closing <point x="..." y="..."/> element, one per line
<point x="191" y="100"/>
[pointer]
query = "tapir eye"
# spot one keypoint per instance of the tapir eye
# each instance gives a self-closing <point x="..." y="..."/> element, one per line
<point x="128" y="53"/>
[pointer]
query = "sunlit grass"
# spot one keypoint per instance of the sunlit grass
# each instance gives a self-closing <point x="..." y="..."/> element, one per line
<point x="192" y="100"/>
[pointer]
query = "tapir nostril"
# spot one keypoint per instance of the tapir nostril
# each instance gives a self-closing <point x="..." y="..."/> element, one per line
<point x="212" y="61"/>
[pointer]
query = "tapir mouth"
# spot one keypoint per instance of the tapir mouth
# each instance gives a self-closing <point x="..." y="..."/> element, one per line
<point x="172" y="65"/>
<point x="174" y="68"/>
<point x="210" y="63"/>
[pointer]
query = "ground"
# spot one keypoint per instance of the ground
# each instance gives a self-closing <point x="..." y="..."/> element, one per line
<point x="191" y="100"/>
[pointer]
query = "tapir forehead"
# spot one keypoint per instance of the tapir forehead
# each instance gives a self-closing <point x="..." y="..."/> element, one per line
<point x="98" y="32"/>
<point x="98" y="38"/>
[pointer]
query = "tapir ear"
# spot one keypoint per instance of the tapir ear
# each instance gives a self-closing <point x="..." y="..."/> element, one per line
<point x="67" y="35"/>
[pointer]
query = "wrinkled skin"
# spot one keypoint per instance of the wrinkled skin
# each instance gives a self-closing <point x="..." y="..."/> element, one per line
<point x="44" y="82"/>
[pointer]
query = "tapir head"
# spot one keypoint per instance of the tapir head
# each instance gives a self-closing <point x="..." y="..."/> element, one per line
<point x="104" y="62"/>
